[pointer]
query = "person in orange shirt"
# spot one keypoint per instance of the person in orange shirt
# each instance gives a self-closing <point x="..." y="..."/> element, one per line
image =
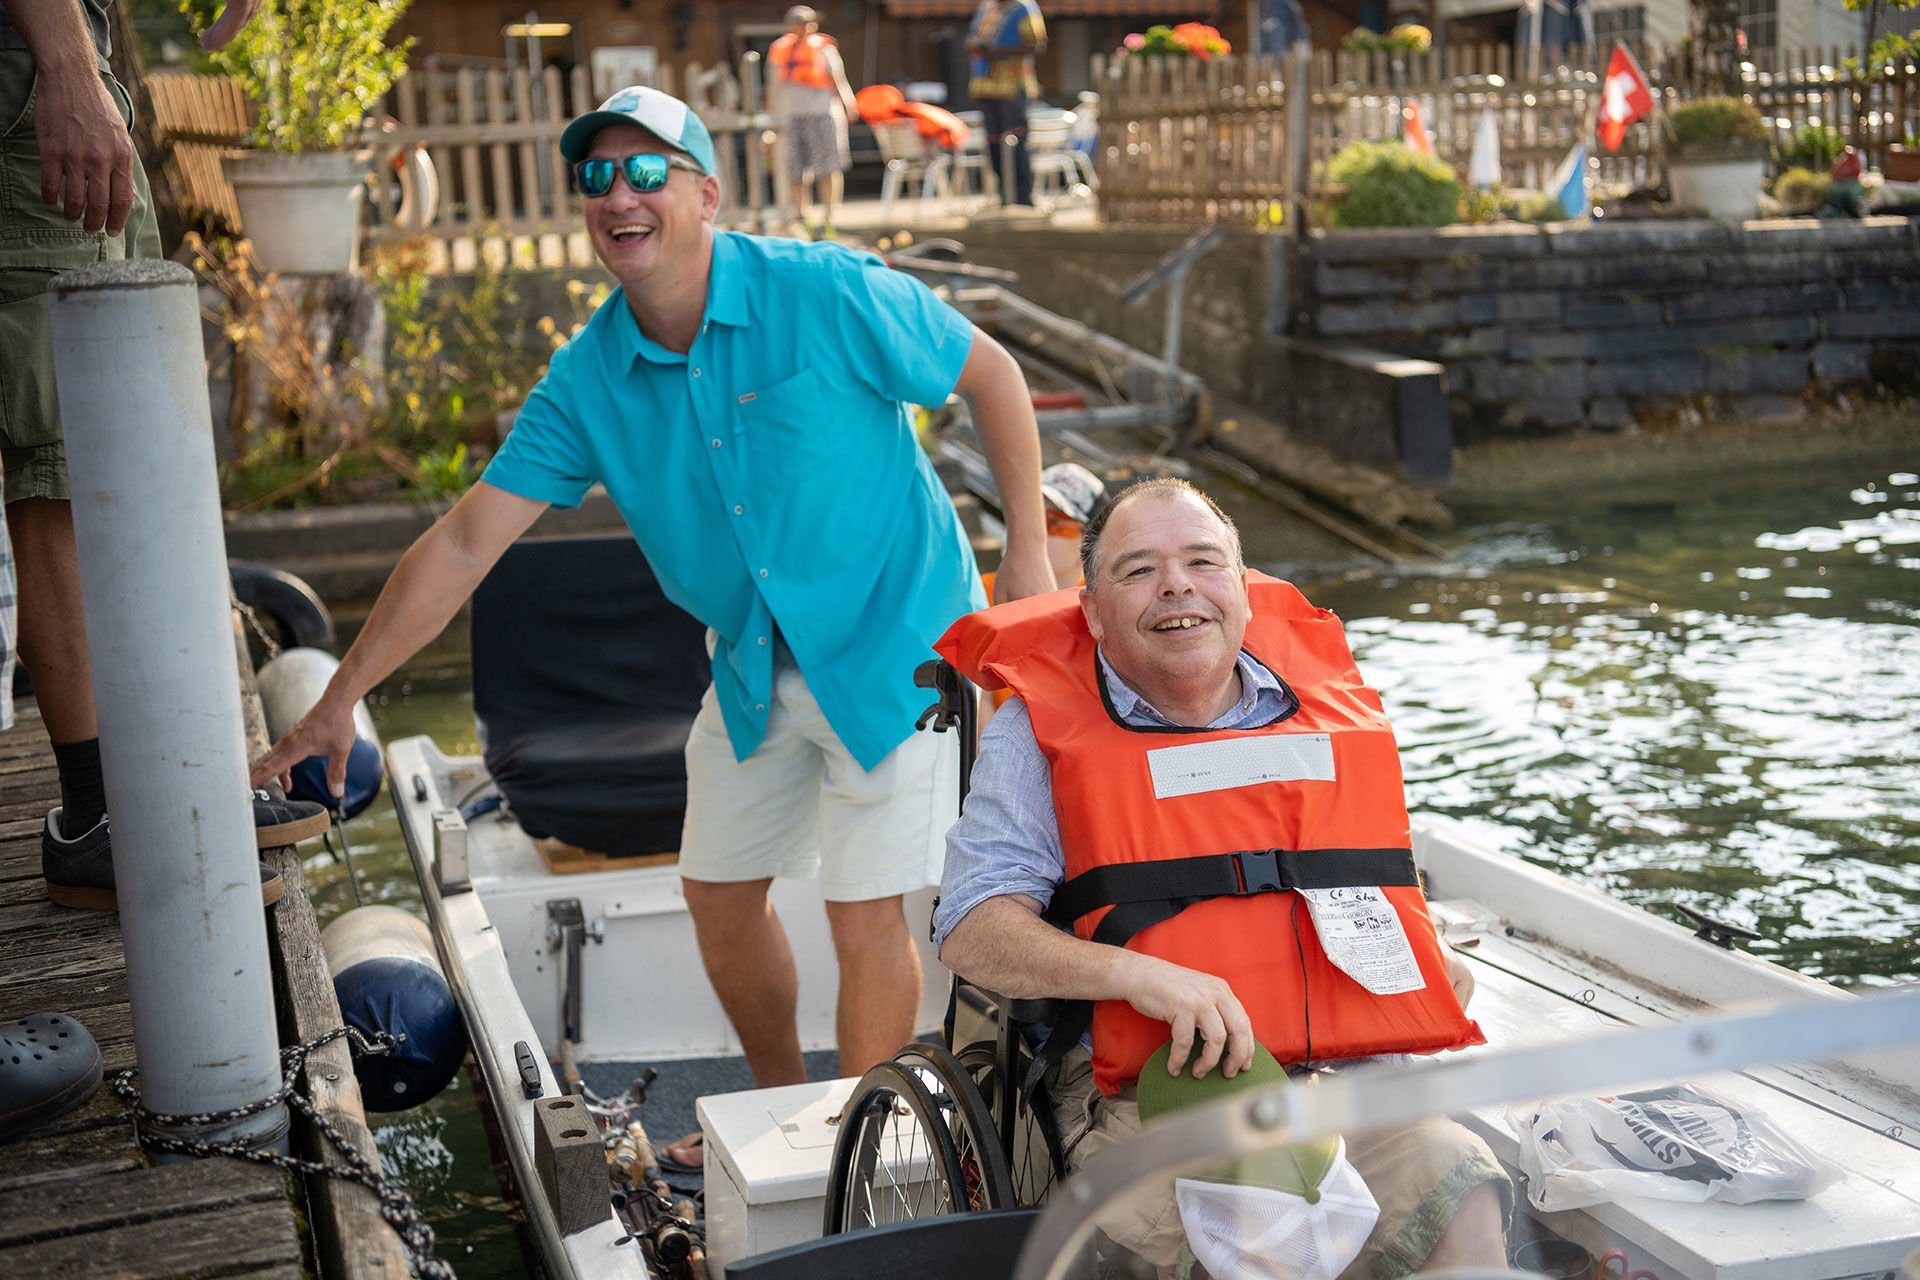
<point x="808" y="90"/>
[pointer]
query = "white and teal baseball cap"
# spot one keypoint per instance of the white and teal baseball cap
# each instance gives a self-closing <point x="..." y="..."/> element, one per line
<point x="661" y="114"/>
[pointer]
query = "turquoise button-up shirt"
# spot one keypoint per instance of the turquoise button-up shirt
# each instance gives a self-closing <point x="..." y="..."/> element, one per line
<point x="772" y="475"/>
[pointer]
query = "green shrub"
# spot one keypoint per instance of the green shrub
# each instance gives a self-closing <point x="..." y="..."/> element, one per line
<point x="1389" y="185"/>
<point x="1801" y="189"/>
<point x="1816" y="146"/>
<point x="1716" y="122"/>
<point x="1490" y="205"/>
<point x="1540" y="206"/>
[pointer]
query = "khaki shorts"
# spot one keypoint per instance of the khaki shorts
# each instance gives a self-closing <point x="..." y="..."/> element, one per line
<point x="800" y="805"/>
<point x="1419" y="1175"/>
<point x="37" y="243"/>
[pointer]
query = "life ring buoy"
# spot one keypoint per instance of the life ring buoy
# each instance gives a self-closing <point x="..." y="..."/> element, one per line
<point x="879" y="102"/>
<point x="293" y="606"/>
<point x="941" y="125"/>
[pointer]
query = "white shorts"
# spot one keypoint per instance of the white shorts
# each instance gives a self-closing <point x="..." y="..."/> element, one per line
<point x="801" y="805"/>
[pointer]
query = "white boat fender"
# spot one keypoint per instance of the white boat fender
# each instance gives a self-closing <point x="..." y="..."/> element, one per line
<point x="289" y="686"/>
<point x="293" y="607"/>
<point x="388" y="979"/>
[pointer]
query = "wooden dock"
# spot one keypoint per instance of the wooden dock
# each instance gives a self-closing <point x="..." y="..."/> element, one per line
<point x="78" y="1196"/>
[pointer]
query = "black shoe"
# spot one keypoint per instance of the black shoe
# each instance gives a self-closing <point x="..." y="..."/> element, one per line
<point x="278" y="822"/>
<point x="79" y="872"/>
<point x="48" y="1066"/>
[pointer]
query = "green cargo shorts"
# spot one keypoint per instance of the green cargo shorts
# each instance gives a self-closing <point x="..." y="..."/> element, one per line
<point x="37" y="243"/>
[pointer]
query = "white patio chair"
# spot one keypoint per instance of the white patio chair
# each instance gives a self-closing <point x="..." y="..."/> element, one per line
<point x="1059" y="171"/>
<point x="911" y="158"/>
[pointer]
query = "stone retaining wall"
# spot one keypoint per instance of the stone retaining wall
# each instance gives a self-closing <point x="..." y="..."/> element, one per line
<point x="1561" y="327"/>
<point x="1538" y="328"/>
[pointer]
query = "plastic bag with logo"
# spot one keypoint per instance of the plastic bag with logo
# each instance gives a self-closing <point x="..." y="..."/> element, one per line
<point x="1676" y="1142"/>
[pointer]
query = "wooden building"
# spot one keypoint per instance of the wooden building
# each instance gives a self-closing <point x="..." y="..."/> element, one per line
<point x="892" y="41"/>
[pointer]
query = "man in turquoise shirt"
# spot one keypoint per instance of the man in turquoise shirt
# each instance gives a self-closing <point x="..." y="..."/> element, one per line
<point x="744" y="401"/>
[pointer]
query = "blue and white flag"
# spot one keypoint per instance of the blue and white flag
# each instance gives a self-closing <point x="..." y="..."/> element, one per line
<point x="1568" y="184"/>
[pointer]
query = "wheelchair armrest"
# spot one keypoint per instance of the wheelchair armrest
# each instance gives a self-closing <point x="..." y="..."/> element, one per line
<point x="1033" y="1013"/>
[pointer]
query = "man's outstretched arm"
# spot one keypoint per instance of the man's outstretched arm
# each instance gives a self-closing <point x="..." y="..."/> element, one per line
<point x="1004" y="946"/>
<point x="433" y="579"/>
<point x="1002" y="407"/>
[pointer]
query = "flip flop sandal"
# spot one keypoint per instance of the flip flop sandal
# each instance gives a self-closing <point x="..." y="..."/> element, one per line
<point x="669" y="1165"/>
<point x="48" y="1065"/>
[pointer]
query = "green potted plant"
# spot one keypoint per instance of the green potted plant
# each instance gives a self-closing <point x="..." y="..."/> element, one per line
<point x="314" y="70"/>
<point x="1718" y="157"/>
<point x="1903" y="161"/>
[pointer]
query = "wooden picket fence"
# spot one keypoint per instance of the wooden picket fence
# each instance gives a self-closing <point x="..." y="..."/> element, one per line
<point x="493" y="136"/>
<point x="1186" y="142"/>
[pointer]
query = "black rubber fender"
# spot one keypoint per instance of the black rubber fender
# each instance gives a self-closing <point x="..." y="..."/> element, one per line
<point x="293" y="606"/>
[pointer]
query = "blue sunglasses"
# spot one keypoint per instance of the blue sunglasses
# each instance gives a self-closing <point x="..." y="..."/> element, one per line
<point x="643" y="171"/>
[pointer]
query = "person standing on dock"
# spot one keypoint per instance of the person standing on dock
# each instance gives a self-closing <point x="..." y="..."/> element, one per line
<point x="1001" y="42"/>
<point x="813" y="101"/>
<point x="745" y="402"/>
<point x="68" y="119"/>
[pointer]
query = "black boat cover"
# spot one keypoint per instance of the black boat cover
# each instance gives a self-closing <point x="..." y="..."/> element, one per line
<point x="585" y="683"/>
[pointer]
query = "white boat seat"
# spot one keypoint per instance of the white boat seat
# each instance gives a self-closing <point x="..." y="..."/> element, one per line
<point x="585" y="684"/>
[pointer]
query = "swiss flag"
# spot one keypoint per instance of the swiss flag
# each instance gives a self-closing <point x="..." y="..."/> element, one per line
<point x="1624" y="97"/>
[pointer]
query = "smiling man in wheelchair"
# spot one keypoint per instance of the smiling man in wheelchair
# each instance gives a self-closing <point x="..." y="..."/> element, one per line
<point x="1190" y="826"/>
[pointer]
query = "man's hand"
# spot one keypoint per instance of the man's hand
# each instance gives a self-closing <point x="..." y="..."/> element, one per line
<point x="1200" y="1007"/>
<point x="1023" y="572"/>
<point x="327" y="730"/>
<point x="232" y="18"/>
<point x="84" y="148"/>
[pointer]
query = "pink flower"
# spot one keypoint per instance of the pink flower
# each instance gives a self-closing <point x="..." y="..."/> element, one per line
<point x="1136" y="41"/>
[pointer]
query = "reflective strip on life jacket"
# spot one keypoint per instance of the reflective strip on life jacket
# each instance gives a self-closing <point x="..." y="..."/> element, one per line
<point x="1177" y="868"/>
<point x="803" y="61"/>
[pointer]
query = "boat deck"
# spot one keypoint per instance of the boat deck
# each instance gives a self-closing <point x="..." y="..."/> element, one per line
<point x="77" y="1194"/>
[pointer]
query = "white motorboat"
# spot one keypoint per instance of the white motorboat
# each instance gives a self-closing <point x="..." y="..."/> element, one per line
<point x="599" y="953"/>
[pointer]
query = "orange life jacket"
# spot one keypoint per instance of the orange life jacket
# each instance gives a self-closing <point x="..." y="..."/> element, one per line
<point x="1203" y="873"/>
<point x="803" y="61"/>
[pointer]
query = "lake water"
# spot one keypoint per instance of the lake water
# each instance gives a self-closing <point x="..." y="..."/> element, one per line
<point x="1708" y="696"/>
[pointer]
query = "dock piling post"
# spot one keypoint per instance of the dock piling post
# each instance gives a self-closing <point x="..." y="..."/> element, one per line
<point x="131" y="373"/>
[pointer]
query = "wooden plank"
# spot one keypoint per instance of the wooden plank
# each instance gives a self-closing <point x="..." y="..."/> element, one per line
<point x="245" y="1238"/>
<point x="73" y="1207"/>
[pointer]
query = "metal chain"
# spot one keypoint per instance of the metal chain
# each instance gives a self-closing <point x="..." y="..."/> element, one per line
<point x="416" y="1237"/>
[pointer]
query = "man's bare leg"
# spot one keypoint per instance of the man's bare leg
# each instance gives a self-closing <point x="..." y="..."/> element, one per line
<point x="53" y="634"/>
<point x="1474" y="1238"/>
<point x="797" y="197"/>
<point x="879" y="981"/>
<point x="750" y="964"/>
<point x="832" y="189"/>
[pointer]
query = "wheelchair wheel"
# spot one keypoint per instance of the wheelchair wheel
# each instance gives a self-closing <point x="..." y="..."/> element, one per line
<point x="1031" y="1141"/>
<point x="969" y="1120"/>
<point x="894" y="1160"/>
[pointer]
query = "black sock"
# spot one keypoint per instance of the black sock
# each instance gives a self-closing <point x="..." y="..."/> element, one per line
<point x="83" y="793"/>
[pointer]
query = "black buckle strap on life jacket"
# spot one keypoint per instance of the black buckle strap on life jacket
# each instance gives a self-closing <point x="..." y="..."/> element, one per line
<point x="1145" y="893"/>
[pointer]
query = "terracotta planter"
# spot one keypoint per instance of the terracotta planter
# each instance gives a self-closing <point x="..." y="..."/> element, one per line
<point x="301" y="211"/>
<point x="1722" y="183"/>
<point x="1903" y="164"/>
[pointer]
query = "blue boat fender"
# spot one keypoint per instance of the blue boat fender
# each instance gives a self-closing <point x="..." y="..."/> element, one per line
<point x="388" y="979"/>
<point x="289" y="686"/>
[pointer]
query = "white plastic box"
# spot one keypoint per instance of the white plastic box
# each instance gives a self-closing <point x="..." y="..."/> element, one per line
<point x="766" y="1167"/>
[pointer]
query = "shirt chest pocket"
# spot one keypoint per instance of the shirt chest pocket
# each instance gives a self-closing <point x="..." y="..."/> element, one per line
<point x="789" y="418"/>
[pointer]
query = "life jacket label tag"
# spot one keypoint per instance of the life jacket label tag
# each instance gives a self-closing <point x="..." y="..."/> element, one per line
<point x="1363" y="935"/>
<point x="1227" y="763"/>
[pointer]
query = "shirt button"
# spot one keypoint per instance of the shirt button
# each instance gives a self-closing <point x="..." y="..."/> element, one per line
<point x="716" y="442"/>
<point x="763" y="573"/>
<point x="763" y="639"/>
<point x="739" y="510"/>
<point x="759" y="706"/>
<point x="696" y="373"/>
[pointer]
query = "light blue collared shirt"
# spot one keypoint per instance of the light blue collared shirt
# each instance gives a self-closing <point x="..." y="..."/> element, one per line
<point x="772" y="474"/>
<point x="1008" y="840"/>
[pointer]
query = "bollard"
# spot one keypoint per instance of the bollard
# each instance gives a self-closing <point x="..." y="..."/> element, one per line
<point x="131" y="374"/>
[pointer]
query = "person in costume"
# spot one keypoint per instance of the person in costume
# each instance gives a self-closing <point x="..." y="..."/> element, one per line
<point x="1190" y="825"/>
